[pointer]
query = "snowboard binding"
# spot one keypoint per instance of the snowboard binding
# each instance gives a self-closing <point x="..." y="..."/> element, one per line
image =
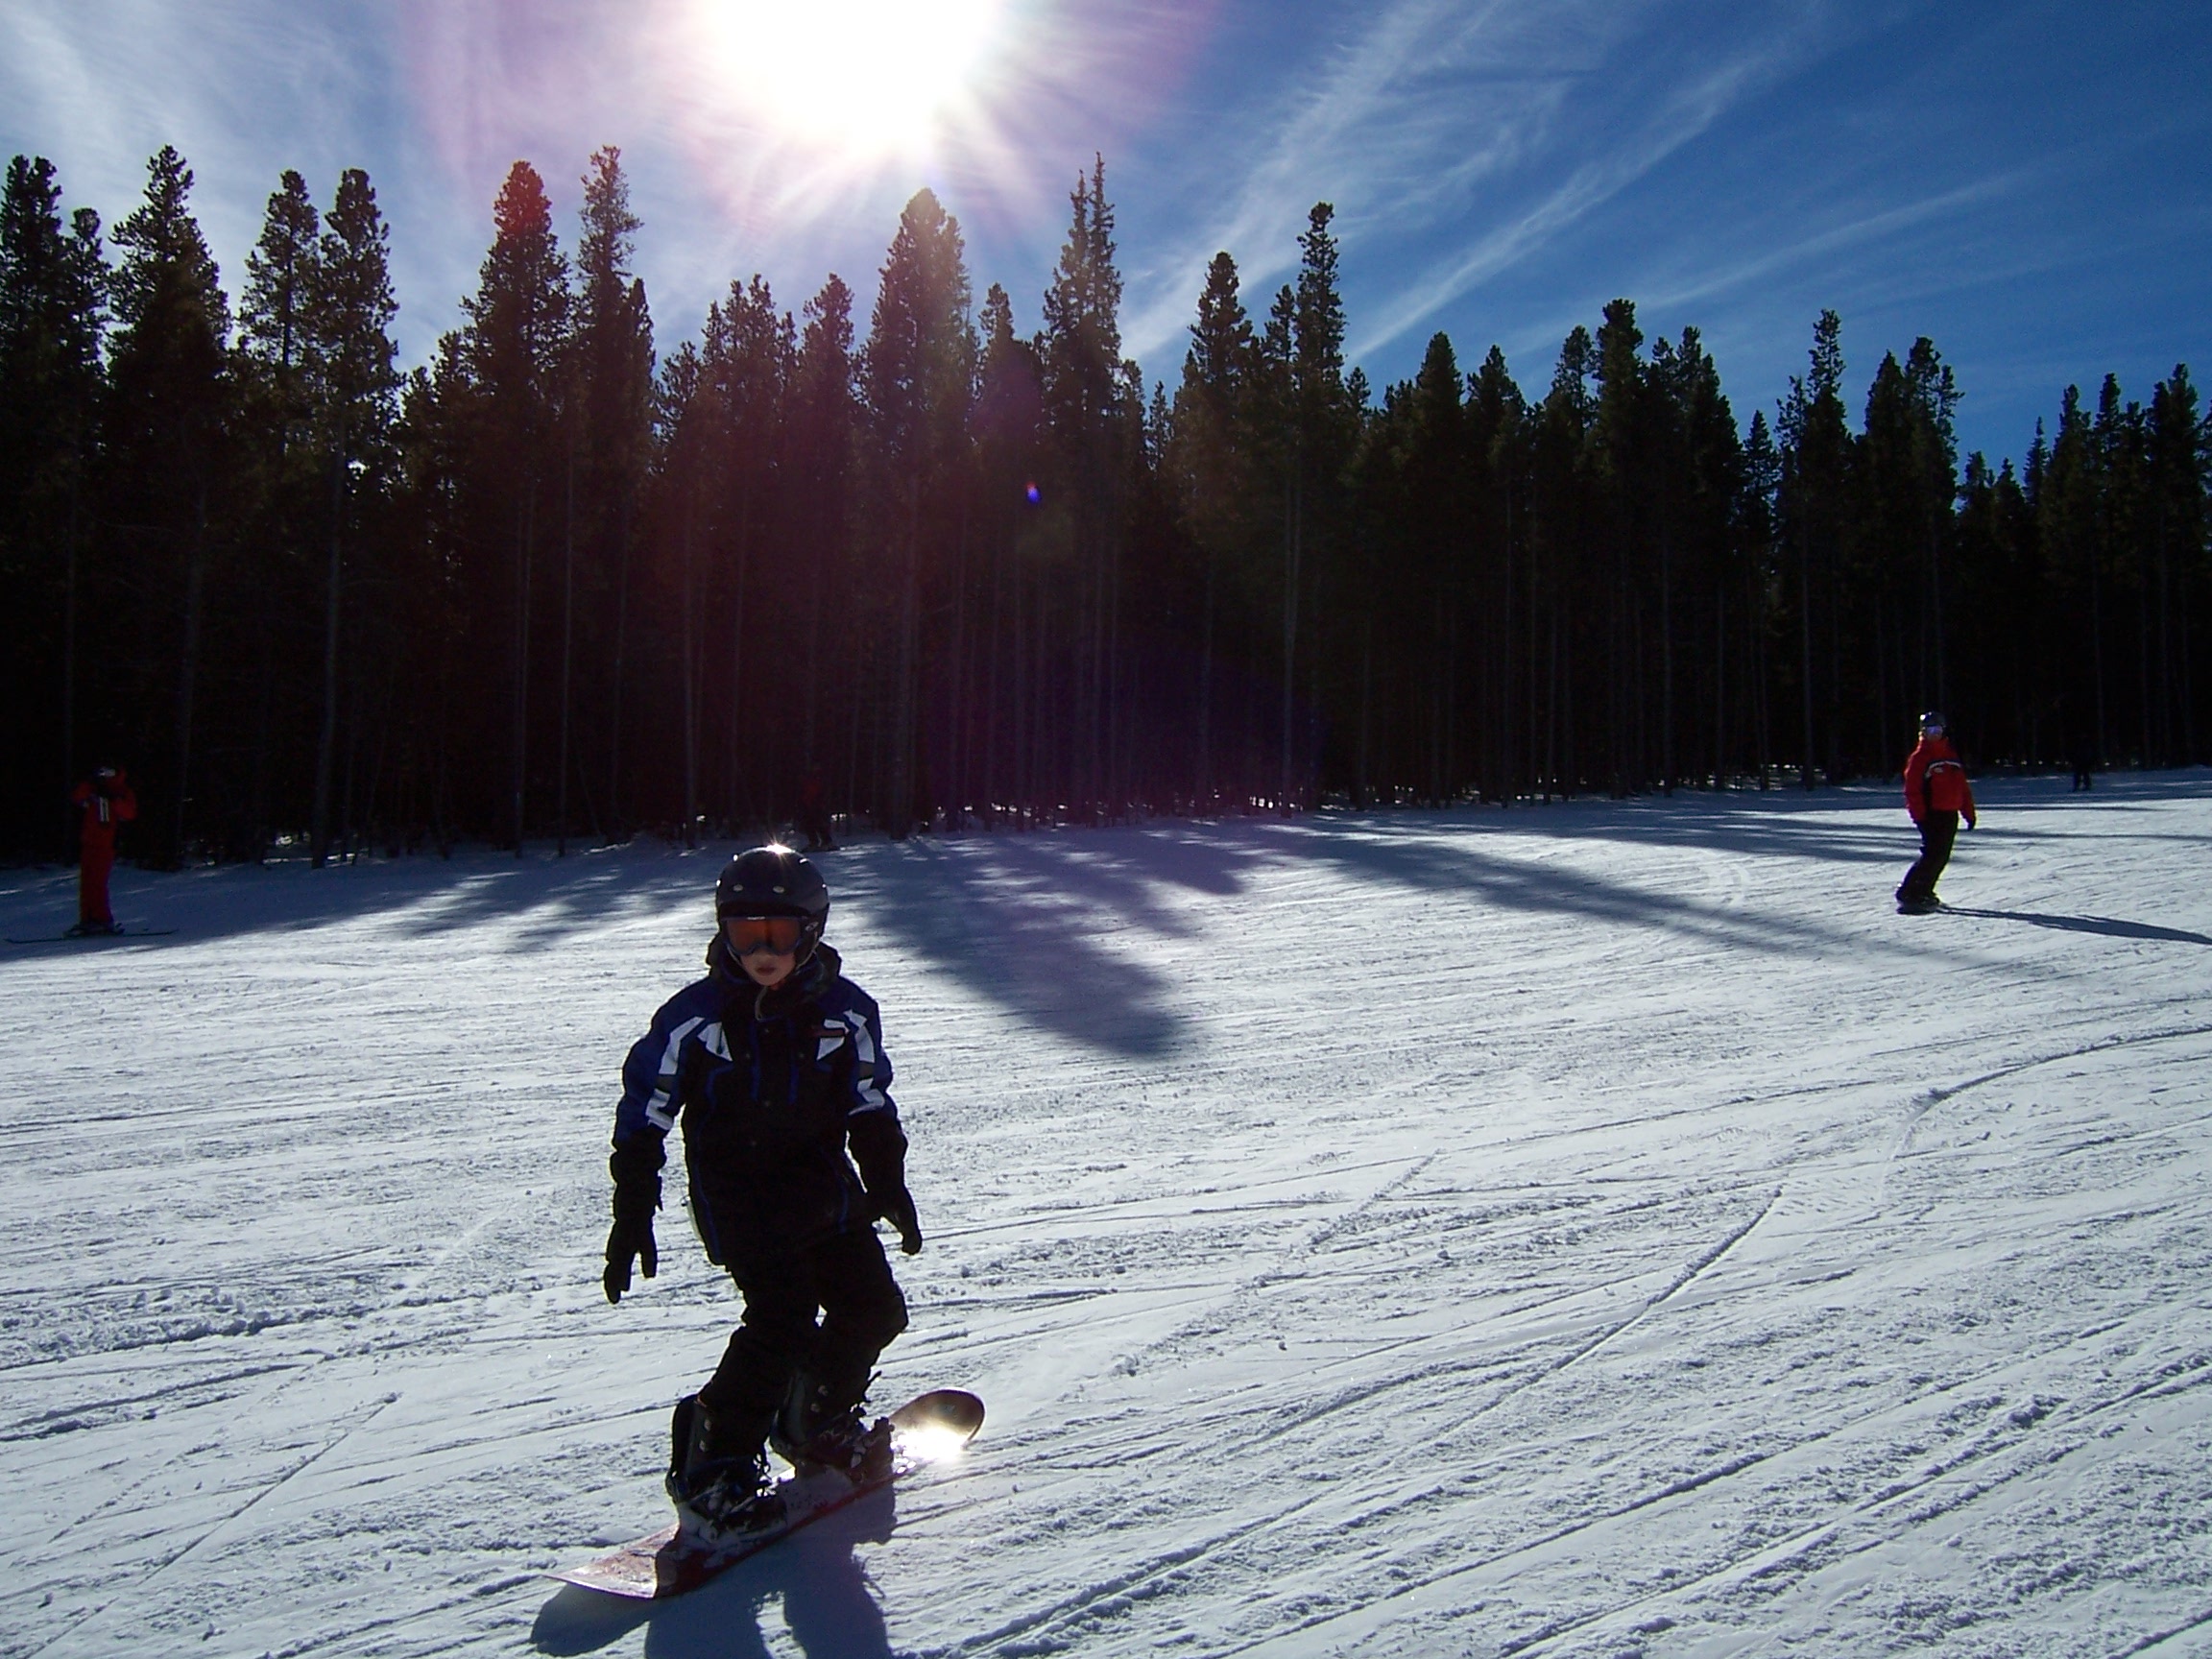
<point x="720" y="1492"/>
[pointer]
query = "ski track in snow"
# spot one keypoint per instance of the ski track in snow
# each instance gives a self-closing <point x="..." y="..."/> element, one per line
<point x="1603" y="1229"/>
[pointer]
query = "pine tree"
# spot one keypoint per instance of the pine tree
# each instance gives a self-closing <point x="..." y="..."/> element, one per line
<point x="354" y="395"/>
<point x="610" y="446"/>
<point x="1762" y="575"/>
<point x="2066" y="513"/>
<point x="1816" y="455"/>
<point x="52" y="313"/>
<point x="1080" y="349"/>
<point x="745" y="364"/>
<point x="1212" y="464"/>
<point x="1323" y="428"/>
<point x="515" y="347"/>
<point x="917" y="377"/>
<point x="1010" y="459"/>
<point x="2178" y="466"/>
<point x="273" y="329"/>
<point x="164" y="433"/>
<point x="822" y="421"/>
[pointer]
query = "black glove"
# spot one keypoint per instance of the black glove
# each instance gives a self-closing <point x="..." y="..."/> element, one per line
<point x="636" y="1171"/>
<point x="879" y="1148"/>
<point x="896" y="1206"/>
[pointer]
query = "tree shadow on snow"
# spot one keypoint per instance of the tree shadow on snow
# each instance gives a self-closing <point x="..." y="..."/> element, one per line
<point x="1022" y="920"/>
<point x="544" y="898"/>
<point x="1830" y="825"/>
<point x="826" y="1600"/>
<point x="1776" y="824"/>
<point x="1533" y="886"/>
<point x="2111" y="927"/>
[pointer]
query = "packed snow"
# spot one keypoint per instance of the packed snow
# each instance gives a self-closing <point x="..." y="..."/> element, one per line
<point x="1603" y="1227"/>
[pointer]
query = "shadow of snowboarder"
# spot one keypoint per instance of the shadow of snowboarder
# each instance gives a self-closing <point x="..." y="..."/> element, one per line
<point x="828" y="1605"/>
<point x="2109" y="926"/>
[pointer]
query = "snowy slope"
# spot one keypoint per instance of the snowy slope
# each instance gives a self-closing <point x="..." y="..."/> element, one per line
<point x="1597" y="1229"/>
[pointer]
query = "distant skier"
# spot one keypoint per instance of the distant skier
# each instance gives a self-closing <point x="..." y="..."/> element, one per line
<point x="1937" y="795"/>
<point x="814" y="814"/>
<point x="104" y="803"/>
<point x="774" y="1062"/>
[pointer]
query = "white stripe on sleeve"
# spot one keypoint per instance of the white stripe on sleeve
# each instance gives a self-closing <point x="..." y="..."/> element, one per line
<point x="657" y="1112"/>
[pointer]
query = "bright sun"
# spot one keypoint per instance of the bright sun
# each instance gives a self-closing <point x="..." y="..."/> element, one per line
<point x="869" y="78"/>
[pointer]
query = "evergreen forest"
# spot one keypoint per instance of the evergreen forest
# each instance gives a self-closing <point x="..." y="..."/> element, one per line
<point x="884" y="554"/>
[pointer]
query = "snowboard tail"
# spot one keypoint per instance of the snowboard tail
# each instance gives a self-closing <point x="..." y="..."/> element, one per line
<point x="929" y="1428"/>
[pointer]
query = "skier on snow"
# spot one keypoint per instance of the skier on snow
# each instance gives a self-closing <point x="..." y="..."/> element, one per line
<point x="104" y="803"/>
<point x="1937" y="795"/>
<point x="775" y="1064"/>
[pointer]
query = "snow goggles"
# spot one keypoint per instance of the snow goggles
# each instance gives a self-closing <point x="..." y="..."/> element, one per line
<point x="779" y="934"/>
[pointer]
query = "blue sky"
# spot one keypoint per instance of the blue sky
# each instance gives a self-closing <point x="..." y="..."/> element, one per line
<point x="2025" y="183"/>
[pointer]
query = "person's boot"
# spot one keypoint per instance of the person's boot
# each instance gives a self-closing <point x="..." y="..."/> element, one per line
<point x="823" y="1427"/>
<point x="718" y="1477"/>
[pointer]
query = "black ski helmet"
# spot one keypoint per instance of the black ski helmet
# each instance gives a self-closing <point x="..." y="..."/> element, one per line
<point x="1932" y="723"/>
<point x="773" y="881"/>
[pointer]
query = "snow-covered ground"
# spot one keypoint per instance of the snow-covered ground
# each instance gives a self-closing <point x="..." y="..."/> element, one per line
<point x="1600" y="1229"/>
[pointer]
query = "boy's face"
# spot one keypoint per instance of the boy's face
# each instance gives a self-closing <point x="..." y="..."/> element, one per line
<point x="764" y="963"/>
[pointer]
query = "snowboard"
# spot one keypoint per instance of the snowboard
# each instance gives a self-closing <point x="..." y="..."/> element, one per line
<point x="929" y="1428"/>
<point x="94" y="938"/>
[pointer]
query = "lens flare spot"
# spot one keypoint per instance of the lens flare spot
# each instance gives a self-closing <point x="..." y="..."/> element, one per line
<point x="931" y="1444"/>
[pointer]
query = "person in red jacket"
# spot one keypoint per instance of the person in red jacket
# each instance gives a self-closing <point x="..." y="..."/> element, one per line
<point x="1937" y="795"/>
<point x="105" y="802"/>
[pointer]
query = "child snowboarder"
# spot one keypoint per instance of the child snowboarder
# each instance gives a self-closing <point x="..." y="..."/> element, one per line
<point x="104" y="803"/>
<point x="1937" y="795"/>
<point x="775" y="1063"/>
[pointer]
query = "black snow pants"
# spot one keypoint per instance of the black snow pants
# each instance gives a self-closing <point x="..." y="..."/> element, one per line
<point x="846" y="1277"/>
<point x="1938" y="830"/>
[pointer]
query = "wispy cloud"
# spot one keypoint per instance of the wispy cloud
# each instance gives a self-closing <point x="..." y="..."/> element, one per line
<point x="1457" y="138"/>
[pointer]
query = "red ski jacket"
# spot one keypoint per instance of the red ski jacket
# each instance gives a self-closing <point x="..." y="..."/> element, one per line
<point x="1936" y="782"/>
<point x="101" y="808"/>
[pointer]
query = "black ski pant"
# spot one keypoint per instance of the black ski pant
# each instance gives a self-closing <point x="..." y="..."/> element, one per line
<point x="1938" y="830"/>
<point x="846" y="1279"/>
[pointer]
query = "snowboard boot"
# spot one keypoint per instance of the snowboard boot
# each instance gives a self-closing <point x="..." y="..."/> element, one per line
<point x="718" y="1483"/>
<point x="817" y="1429"/>
<point x="848" y="1443"/>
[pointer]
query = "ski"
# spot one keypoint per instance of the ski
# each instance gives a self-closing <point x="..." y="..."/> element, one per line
<point x="94" y="938"/>
<point x="929" y="1428"/>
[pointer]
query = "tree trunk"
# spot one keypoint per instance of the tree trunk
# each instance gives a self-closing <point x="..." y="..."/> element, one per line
<point x="1292" y="554"/>
<point x="568" y="637"/>
<point x="68" y="843"/>
<point x="195" y="588"/>
<point x="326" y="737"/>
<point x="615" y="824"/>
<point x="898" y="813"/>
<point x="690" y="615"/>
<point x="524" y="529"/>
<point x="1804" y="642"/>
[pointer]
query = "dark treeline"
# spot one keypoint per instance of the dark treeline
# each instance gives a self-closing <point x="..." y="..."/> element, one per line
<point x="932" y="571"/>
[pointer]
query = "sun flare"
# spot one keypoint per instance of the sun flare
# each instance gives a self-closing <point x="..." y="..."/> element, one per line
<point x="864" y="78"/>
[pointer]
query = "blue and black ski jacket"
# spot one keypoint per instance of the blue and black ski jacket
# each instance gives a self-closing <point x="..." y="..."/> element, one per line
<point x="772" y="1088"/>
